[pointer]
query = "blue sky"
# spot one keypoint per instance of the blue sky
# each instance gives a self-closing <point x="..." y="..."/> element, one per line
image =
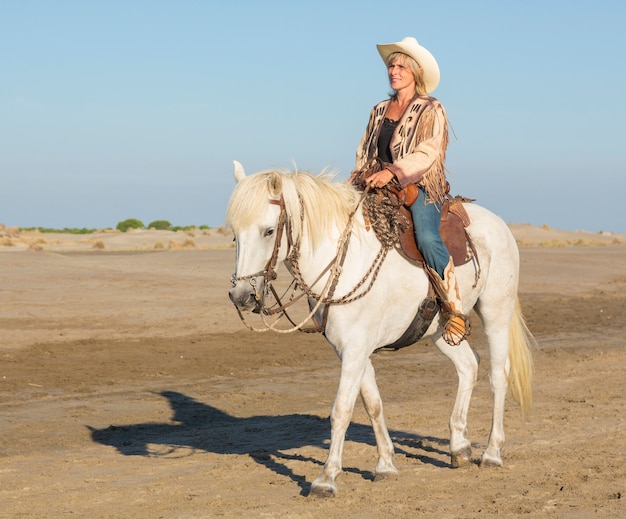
<point x="135" y="109"/>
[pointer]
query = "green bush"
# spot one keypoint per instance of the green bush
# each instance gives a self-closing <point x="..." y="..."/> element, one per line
<point x="183" y="228"/>
<point x="160" y="225"/>
<point x="129" y="223"/>
<point x="65" y="230"/>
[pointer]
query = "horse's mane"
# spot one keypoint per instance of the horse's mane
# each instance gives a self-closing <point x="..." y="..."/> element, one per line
<point x="326" y="203"/>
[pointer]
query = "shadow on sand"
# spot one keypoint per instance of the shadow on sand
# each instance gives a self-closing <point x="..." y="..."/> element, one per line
<point x="196" y="426"/>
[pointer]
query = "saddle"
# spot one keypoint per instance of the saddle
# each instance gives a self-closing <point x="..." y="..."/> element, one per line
<point x="393" y="222"/>
<point x="454" y="220"/>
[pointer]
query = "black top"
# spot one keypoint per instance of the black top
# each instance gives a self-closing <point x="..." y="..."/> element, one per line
<point x="384" y="138"/>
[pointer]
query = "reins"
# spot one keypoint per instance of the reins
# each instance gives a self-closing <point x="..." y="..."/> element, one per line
<point x="325" y="297"/>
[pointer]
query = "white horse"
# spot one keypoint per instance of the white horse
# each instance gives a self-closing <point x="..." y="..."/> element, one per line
<point x="274" y="213"/>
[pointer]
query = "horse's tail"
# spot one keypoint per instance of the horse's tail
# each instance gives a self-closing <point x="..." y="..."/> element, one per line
<point x="520" y="358"/>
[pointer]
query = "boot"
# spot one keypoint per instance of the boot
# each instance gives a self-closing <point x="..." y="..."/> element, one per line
<point x="457" y="325"/>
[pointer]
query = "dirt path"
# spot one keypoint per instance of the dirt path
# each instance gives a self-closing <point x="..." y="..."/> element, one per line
<point x="129" y="388"/>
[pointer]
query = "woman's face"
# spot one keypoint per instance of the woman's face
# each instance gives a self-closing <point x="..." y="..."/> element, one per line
<point x="400" y="75"/>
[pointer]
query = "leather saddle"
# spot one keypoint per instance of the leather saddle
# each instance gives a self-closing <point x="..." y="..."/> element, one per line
<point x="454" y="220"/>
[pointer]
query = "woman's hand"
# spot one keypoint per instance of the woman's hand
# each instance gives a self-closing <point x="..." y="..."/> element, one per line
<point x="380" y="179"/>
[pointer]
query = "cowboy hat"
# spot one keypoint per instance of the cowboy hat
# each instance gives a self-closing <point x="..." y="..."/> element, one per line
<point x="425" y="59"/>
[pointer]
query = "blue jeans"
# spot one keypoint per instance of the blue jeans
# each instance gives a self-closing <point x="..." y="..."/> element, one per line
<point x="426" y="222"/>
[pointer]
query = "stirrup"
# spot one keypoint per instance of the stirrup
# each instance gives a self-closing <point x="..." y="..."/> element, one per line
<point x="456" y="328"/>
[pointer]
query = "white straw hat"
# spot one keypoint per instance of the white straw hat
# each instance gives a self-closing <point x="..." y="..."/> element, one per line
<point x="412" y="48"/>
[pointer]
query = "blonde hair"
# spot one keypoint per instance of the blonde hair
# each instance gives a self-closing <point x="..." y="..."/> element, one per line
<point x="414" y="66"/>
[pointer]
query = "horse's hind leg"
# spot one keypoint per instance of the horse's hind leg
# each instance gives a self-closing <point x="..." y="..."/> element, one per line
<point x="496" y="312"/>
<point x="499" y="372"/>
<point x="465" y="361"/>
<point x="374" y="407"/>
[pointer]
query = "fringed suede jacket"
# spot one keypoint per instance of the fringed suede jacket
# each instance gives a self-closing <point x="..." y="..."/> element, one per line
<point x="418" y="145"/>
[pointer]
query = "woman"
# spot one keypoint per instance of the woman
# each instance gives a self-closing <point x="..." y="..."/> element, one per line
<point x="409" y="132"/>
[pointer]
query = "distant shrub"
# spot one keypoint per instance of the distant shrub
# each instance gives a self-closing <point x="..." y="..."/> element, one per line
<point x="160" y="225"/>
<point x="223" y="230"/>
<point x="65" y="230"/>
<point x="178" y="228"/>
<point x="187" y="244"/>
<point x="129" y="223"/>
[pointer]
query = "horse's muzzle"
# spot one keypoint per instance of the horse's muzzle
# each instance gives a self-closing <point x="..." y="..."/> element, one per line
<point x="245" y="299"/>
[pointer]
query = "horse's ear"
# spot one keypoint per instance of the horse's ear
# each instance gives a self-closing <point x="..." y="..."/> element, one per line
<point x="275" y="184"/>
<point x="239" y="171"/>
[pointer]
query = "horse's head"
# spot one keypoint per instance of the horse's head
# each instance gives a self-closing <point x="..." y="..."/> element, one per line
<point x="258" y="217"/>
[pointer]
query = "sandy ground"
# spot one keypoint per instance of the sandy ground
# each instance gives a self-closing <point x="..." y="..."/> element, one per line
<point x="129" y="388"/>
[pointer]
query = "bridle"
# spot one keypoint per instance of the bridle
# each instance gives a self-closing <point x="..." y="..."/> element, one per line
<point x="269" y="272"/>
<point x="325" y="297"/>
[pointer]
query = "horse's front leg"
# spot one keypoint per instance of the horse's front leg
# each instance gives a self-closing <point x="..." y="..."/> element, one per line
<point x="352" y="370"/>
<point x="374" y="406"/>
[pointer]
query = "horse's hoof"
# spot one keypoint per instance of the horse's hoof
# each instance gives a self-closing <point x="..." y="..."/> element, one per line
<point x="323" y="490"/>
<point x="461" y="458"/>
<point x="488" y="463"/>
<point x="383" y="476"/>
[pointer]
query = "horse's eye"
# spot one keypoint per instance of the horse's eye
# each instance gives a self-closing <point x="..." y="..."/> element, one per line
<point x="269" y="232"/>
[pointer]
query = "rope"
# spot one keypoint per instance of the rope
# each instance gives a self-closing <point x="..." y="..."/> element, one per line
<point x="379" y="208"/>
<point x="383" y="215"/>
<point x="325" y="296"/>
